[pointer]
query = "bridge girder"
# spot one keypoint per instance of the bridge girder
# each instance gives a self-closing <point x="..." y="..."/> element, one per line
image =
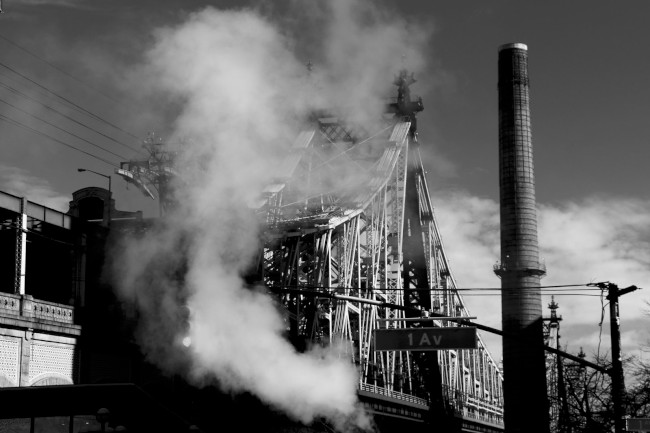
<point x="344" y="253"/>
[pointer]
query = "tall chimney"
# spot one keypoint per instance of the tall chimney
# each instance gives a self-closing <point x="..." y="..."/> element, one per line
<point x="525" y="395"/>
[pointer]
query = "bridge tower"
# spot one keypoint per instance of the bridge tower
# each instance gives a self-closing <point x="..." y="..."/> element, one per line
<point x="351" y="244"/>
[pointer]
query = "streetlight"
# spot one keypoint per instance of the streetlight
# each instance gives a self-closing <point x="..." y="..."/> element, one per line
<point x="109" y="189"/>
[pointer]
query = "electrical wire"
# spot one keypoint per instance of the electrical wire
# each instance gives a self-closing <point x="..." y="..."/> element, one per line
<point x="24" y="95"/>
<point x="68" y="101"/>
<point x="29" y="128"/>
<point x="544" y="288"/>
<point x="61" y="129"/>
<point x="458" y="289"/>
<point x="6" y="76"/>
<point x="57" y="68"/>
<point x="555" y="294"/>
<point x="39" y="91"/>
<point x="602" y="319"/>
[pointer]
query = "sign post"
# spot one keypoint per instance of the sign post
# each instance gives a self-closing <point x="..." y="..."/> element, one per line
<point x="425" y="339"/>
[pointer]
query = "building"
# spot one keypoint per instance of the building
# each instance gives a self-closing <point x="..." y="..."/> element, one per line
<point x="60" y="323"/>
<point x="68" y="360"/>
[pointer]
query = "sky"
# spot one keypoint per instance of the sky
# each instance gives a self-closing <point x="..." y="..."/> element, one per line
<point x="117" y="61"/>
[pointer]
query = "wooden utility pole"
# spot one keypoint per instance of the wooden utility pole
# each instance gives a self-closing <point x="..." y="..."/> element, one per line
<point x="618" y="379"/>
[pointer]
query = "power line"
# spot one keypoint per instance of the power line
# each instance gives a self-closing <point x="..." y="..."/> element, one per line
<point x="458" y="289"/>
<point x="602" y="318"/>
<point x="67" y="100"/>
<point x="29" y="128"/>
<point x="6" y="75"/>
<point x="543" y="288"/>
<point x="61" y="129"/>
<point x="66" y="116"/>
<point x="554" y="294"/>
<point x="57" y="68"/>
<point x="41" y="92"/>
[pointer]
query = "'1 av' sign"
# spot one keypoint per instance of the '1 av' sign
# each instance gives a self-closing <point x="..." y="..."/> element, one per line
<point x="425" y="338"/>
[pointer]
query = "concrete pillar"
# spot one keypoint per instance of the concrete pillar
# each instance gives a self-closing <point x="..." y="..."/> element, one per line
<point x="25" y="357"/>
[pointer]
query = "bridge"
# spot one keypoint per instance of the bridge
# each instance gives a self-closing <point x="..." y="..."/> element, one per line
<point x="351" y="246"/>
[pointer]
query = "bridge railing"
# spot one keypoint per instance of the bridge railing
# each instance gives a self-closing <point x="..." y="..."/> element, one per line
<point x="465" y="405"/>
<point x="393" y="394"/>
<point x="478" y="408"/>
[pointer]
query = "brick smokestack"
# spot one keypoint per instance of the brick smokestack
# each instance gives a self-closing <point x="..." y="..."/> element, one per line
<point x="525" y="394"/>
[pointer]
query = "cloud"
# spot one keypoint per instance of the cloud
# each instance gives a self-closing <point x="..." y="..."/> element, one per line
<point x="593" y="240"/>
<point x="597" y="240"/>
<point x="21" y="183"/>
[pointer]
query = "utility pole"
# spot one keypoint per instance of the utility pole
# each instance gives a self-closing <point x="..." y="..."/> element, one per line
<point x="616" y="372"/>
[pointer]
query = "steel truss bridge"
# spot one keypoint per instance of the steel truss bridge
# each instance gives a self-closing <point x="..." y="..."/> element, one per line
<point x="351" y="244"/>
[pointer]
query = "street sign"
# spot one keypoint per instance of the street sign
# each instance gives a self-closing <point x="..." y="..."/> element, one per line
<point x="637" y="424"/>
<point x="425" y="339"/>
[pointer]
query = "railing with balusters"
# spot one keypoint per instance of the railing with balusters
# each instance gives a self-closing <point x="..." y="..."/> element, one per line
<point x="27" y="307"/>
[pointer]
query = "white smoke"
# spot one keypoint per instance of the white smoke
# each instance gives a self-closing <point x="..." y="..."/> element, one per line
<point x="365" y="46"/>
<point x="242" y="95"/>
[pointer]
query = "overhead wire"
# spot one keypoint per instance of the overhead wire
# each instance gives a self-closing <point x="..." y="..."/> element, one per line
<point x="61" y="129"/>
<point x="46" y="94"/>
<point x="68" y="101"/>
<point x="29" y="128"/>
<point x="8" y="76"/>
<point x="458" y="289"/>
<point x="56" y="67"/>
<point x="602" y="318"/>
<point x="554" y="294"/>
<point x="24" y="95"/>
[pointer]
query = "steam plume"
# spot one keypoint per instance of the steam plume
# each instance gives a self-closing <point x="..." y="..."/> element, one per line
<point x="242" y="95"/>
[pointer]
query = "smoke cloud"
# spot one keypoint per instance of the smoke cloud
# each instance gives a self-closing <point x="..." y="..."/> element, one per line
<point x="243" y="96"/>
<point x="364" y="48"/>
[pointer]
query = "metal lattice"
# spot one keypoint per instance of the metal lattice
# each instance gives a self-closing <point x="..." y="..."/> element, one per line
<point x="335" y="255"/>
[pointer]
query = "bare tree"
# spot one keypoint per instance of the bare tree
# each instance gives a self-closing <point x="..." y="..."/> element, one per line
<point x="583" y="396"/>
